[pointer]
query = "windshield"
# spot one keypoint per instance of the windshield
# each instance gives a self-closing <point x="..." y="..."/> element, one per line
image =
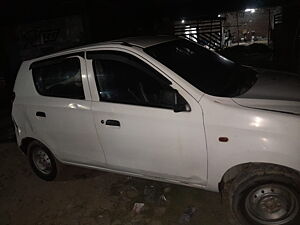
<point x="209" y="72"/>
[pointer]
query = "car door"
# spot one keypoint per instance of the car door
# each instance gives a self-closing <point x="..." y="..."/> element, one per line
<point x="136" y="123"/>
<point x="60" y="115"/>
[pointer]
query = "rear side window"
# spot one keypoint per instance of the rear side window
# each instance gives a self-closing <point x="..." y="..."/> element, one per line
<point x="60" y="78"/>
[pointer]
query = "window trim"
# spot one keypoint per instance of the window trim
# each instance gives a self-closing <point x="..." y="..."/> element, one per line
<point x="56" y="60"/>
<point x="94" y="55"/>
<point x="141" y="105"/>
<point x="53" y="60"/>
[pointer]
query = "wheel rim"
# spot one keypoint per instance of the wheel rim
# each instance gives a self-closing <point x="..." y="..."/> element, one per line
<point x="42" y="161"/>
<point x="272" y="204"/>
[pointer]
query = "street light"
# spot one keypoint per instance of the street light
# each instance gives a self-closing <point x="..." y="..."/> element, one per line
<point x="250" y="10"/>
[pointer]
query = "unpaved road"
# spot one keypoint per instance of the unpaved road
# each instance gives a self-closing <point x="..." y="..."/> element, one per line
<point x="89" y="197"/>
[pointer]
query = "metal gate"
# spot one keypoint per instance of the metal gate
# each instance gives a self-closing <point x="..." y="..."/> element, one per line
<point x="277" y="19"/>
<point x="207" y="32"/>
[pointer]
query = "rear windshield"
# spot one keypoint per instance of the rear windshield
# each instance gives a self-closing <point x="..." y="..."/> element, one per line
<point x="209" y="72"/>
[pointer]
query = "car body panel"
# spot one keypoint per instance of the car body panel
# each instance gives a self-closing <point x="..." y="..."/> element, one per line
<point x="273" y="90"/>
<point x="292" y="107"/>
<point x="253" y="136"/>
<point x="153" y="141"/>
<point x="274" y="85"/>
<point x="68" y="127"/>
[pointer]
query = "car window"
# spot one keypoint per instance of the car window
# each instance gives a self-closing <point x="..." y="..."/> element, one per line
<point x="122" y="78"/>
<point x="59" y="78"/>
<point x="209" y="72"/>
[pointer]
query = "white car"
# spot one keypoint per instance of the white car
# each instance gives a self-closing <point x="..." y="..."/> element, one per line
<point x="167" y="109"/>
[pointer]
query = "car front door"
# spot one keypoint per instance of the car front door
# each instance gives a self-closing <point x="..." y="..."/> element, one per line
<point x="136" y="123"/>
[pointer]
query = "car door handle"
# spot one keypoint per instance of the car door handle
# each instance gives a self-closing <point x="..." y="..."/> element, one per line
<point x="115" y="123"/>
<point x="40" y="114"/>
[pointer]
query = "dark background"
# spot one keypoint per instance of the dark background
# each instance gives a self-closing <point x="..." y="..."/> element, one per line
<point x="110" y="19"/>
<point x="33" y="28"/>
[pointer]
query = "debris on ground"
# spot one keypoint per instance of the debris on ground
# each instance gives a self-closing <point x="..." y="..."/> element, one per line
<point x="138" y="207"/>
<point x="187" y="215"/>
<point x="156" y="195"/>
<point x="150" y="194"/>
<point x="163" y="200"/>
<point x="125" y="190"/>
<point x="100" y="196"/>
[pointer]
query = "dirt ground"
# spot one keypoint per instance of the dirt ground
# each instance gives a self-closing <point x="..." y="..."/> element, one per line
<point x="89" y="197"/>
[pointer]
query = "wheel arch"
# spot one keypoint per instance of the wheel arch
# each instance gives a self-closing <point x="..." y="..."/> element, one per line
<point x="25" y="142"/>
<point x="236" y="170"/>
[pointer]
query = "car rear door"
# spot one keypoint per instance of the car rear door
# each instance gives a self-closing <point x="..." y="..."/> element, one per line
<point x="60" y="113"/>
<point x="137" y="127"/>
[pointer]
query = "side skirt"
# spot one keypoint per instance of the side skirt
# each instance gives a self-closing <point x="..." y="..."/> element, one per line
<point x="144" y="176"/>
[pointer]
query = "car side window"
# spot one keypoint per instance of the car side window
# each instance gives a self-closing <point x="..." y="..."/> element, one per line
<point x="59" y="78"/>
<point x="122" y="78"/>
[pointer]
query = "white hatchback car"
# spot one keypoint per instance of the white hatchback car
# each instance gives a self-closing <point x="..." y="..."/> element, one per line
<point x="167" y="109"/>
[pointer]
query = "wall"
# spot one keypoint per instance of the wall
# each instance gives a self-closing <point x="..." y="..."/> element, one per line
<point x="48" y="36"/>
<point x="243" y="25"/>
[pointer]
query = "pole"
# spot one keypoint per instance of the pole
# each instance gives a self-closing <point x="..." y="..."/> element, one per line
<point x="269" y="27"/>
<point x="237" y="26"/>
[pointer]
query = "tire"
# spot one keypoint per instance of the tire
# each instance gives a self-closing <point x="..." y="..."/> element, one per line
<point x="264" y="196"/>
<point x="42" y="161"/>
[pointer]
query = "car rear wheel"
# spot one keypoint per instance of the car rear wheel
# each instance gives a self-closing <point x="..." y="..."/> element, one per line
<point x="265" y="197"/>
<point x="42" y="161"/>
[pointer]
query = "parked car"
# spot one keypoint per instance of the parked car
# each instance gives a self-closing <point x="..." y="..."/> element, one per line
<point x="167" y="109"/>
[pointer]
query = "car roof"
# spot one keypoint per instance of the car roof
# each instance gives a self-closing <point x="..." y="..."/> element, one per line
<point x="141" y="42"/>
<point x="147" y="41"/>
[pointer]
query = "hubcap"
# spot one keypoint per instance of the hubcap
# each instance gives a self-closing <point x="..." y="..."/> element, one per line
<point x="272" y="204"/>
<point x="42" y="161"/>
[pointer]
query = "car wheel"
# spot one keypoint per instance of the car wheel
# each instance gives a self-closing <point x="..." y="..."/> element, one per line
<point x="42" y="161"/>
<point x="265" y="197"/>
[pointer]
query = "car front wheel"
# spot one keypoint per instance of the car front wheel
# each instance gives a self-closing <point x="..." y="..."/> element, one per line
<point x="265" y="197"/>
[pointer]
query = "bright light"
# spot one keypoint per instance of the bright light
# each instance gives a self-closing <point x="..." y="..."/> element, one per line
<point x="257" y="122"/>
<point x="219" y="15"/>
<point x="19" y="131"/>
<point x="191" y="32"/>
<point x="182" y="21"/>
<point x="72" y="106"/>
<point x="250" y="10"/>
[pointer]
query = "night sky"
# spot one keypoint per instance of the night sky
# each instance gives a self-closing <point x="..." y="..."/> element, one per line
<point x="107" y="19"/>
<point x="27" y="11"/>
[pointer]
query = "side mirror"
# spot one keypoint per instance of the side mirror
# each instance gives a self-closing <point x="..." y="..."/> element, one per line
<point x="180" y="104"/>
<point x="171" y="98"/>
<point x="182" y="108"/>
